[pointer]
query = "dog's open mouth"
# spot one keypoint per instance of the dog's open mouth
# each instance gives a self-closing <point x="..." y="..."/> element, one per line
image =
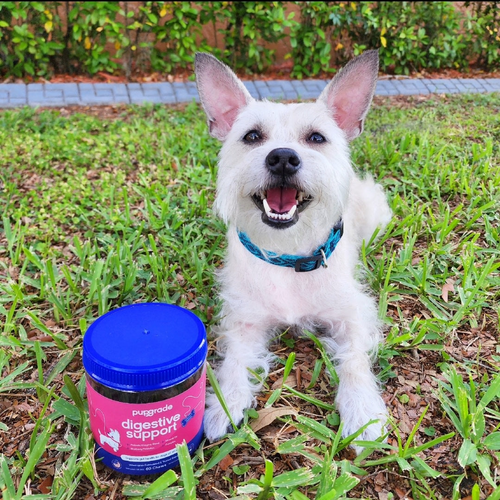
<point x="281" y="205"/>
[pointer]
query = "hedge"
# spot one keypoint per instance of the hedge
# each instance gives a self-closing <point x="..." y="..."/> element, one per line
<point x="38" y="39"/>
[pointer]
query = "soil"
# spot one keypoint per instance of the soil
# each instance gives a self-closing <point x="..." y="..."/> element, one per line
<point x="277" y="72"/>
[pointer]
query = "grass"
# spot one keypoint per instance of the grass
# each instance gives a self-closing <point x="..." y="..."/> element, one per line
<point x="113" y="206"/>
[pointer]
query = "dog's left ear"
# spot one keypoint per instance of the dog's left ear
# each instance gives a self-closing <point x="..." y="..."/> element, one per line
<point x="222" y="94"/>
<point x="350" y="93"/>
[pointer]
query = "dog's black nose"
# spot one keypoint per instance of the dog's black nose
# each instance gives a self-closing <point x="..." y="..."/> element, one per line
<point x="283" y="162"/>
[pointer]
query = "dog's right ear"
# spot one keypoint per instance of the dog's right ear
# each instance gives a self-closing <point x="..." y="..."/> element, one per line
<point x="349" y="94"/>
<point x="222" y="94"/>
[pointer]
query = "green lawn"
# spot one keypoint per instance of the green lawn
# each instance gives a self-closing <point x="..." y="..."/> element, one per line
<point x="113" y="206"/>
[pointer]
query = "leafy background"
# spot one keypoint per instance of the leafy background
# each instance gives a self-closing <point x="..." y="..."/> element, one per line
<point x="38" y="39"/>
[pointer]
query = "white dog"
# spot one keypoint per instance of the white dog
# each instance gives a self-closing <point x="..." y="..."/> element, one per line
<point x="297" y="216"/>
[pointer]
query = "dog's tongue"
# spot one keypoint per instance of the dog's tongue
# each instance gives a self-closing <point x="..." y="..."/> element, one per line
<point x="281" y="200"/>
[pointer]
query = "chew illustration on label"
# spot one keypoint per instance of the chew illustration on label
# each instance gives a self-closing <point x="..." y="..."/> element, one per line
<point x="147" y="403"/>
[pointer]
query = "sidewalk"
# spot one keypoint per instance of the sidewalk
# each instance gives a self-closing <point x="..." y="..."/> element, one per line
<point x="91" y="94"/>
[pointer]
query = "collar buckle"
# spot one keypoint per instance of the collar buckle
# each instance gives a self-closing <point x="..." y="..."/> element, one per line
<point x="315" y="260"/>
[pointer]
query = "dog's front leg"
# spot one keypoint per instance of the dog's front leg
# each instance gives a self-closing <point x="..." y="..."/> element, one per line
<point x="352" y="341"/>
<point x="243" y="346"/>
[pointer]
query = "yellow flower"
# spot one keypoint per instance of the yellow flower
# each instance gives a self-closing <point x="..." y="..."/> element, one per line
<point x="87" y="43"/>
<point x="383" y="40"/>
<point x="339" y="46"/>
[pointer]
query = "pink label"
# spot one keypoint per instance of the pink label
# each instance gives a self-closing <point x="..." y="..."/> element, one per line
<point x="149" y="431"/>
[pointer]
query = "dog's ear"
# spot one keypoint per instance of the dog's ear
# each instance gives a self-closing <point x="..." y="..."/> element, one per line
<point x="222" y="94"/>
<point x="350" y="93"/>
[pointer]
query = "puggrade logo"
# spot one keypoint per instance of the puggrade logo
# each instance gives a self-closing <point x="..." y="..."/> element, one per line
<point x="150" y="413"/>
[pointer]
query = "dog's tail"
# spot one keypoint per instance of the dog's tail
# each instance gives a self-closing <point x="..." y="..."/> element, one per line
<point x="367" y="209"/>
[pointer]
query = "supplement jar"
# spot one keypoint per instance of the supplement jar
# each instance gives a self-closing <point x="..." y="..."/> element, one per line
<point x="145" y="371"/>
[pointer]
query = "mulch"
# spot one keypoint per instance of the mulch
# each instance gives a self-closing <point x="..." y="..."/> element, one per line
<point x="277" y="72"/>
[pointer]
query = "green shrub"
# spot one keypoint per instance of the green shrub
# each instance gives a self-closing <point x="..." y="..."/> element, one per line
<point x="410" y="35"/>
<point x="93" y="25"/>
<point x="163" y="36"/>
<point x="179" y="33"/>
<point x="311" y="39"/>
<point x="483" y="22"/>
<point x="249" y="27"/>
<point x="29" y="38"/>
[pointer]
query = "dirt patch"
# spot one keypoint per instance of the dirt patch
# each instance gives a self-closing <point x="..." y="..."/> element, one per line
<point x="277" y="72"/>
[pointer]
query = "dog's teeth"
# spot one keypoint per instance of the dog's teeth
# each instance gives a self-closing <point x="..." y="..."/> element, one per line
<point x="273" y="215"/>
<point x="267" y="208"/>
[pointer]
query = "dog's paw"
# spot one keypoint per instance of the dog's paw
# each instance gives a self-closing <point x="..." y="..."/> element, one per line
<point x="216" y="422"/>
<point x="357" y="414"/>
<point x="373" y="432"/>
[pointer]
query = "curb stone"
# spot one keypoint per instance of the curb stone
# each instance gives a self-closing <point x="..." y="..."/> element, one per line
<point x="89" y="94"/>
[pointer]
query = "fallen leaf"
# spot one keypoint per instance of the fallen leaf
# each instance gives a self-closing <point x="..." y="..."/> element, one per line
<point x="45" y="485"/>
<point x="291" y="381"/>
<point x="400" y="493"/>
<point x="268" y="416"/>
<point x="380" y="479"/>
<point x="24" y="407"/>
<point x="226" y="462"/>
<point x="447" y="287"/>
<point x="92" y="175"/>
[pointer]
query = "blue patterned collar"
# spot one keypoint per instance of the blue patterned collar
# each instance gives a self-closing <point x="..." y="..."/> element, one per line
<point x="299" y="263"/>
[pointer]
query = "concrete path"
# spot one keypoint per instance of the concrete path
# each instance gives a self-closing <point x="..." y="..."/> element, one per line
<point x="91" y="94"/>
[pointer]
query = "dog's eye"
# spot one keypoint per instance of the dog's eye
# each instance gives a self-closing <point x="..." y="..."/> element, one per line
<point x="253" y="136"/>
<point x="316" y="137"/>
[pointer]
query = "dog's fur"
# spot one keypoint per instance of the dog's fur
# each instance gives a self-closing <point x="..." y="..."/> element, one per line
<point x="260" y="298"/>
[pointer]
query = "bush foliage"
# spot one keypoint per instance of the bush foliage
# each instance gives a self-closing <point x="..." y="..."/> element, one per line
<point x="42" y="38"/>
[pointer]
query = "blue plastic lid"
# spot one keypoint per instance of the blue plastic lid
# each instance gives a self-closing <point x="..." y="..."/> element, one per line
<point x="144" y="347"/>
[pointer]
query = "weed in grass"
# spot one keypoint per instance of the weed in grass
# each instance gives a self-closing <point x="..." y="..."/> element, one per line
<point x="469" y="412"/>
